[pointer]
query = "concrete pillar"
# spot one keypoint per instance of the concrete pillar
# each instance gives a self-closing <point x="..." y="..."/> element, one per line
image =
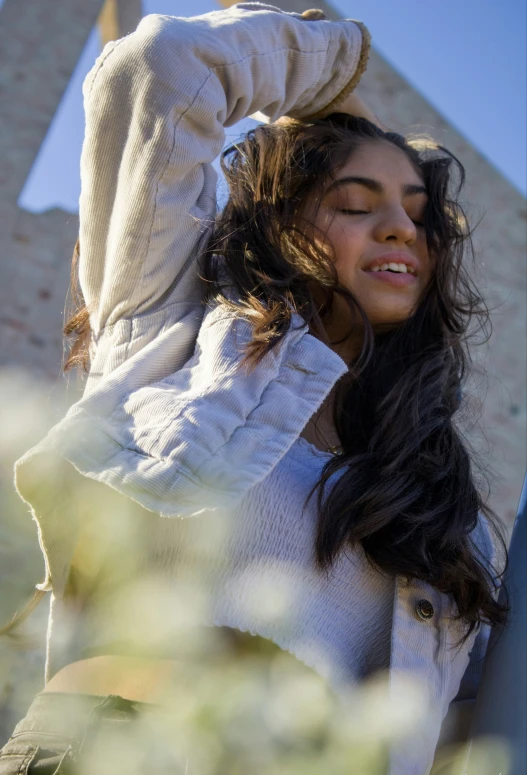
<point x="40" y="44"/>
<point x="118" y="18"/>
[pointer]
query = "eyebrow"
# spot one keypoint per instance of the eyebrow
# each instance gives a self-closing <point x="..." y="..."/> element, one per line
<point x="408" y="189"/>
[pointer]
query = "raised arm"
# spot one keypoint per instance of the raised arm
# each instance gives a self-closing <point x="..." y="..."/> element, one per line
<point x="157" y="103"/>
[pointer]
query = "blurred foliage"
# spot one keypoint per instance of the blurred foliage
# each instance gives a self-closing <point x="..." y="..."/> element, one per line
<point x="233" y="703"/>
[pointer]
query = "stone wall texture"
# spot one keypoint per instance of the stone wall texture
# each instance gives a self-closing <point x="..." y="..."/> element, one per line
<point x="40" y="42"/>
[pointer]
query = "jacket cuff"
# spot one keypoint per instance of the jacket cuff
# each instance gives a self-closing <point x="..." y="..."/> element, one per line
<point x="332" y="107"/>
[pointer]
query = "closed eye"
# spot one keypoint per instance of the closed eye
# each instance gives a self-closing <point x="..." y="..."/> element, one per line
<point x="367" y="212"/>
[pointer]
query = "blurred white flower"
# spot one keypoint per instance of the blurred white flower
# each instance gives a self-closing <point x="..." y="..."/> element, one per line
<point x="267" y="591"/>
<point x="383" y="708"/>
<point x="300" y="705"/>
<point x="26" y="413"/>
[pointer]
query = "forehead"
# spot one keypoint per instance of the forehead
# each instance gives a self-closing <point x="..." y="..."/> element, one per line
<point x="382" y="161"/>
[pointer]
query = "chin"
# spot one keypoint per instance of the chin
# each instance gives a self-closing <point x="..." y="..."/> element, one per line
<point x="384" y="323"/>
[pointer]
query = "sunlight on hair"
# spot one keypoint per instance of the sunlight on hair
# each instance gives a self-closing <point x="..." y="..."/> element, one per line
<point x="458" y="217"/>
<point x="422" y="143"/>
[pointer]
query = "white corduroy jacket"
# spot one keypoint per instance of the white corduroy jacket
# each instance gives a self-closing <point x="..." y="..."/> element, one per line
<point x="167" y="417"/>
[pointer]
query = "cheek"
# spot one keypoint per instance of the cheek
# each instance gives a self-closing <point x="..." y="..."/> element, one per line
<point x="347" y="242"/>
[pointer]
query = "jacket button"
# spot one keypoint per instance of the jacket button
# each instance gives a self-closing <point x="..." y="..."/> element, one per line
<point x="425" y="609"/>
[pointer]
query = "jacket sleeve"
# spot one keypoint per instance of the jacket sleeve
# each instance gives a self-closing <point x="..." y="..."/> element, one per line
<point x="156" y="106"/>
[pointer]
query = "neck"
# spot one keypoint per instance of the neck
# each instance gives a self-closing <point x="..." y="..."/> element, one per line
<point x="345" y="338"/>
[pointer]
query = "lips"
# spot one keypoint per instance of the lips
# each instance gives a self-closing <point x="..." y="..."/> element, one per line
<point x="393" y="278"/>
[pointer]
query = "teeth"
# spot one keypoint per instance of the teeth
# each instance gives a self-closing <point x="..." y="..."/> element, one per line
<point x="404" y="268"/>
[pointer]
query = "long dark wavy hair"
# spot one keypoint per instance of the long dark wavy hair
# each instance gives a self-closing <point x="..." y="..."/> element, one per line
<point x="407" y="491"/>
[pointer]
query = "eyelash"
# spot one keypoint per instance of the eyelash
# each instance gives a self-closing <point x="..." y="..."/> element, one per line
<point x="365" y="212"/>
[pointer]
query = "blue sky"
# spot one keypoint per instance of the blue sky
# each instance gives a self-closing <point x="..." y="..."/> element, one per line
<point x="467" y="58"/>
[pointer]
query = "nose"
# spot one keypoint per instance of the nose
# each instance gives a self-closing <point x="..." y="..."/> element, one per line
<point x="396" y="226"/>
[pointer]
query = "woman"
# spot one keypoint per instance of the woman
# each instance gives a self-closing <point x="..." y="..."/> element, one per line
<point x="310" y="338"/>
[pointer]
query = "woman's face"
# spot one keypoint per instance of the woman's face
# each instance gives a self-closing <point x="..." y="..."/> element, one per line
<point x="373" y="216"/>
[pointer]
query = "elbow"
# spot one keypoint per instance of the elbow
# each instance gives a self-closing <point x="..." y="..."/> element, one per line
<point x="126" y="61"/>
<point x="154" y="63"/>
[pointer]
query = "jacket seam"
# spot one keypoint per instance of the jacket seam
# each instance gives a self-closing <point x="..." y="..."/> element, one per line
<point x="136" y="318"/>
<point x="169" y="157"/>
<point x="103" y="62"/>
<point x="164" y="460"/>
<point x="130" y="339"/>
<point x="245" y="421"/>
<point x="288" y="49"/>
<point x="213" y="454"/>
<point x="182" y="471"/>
